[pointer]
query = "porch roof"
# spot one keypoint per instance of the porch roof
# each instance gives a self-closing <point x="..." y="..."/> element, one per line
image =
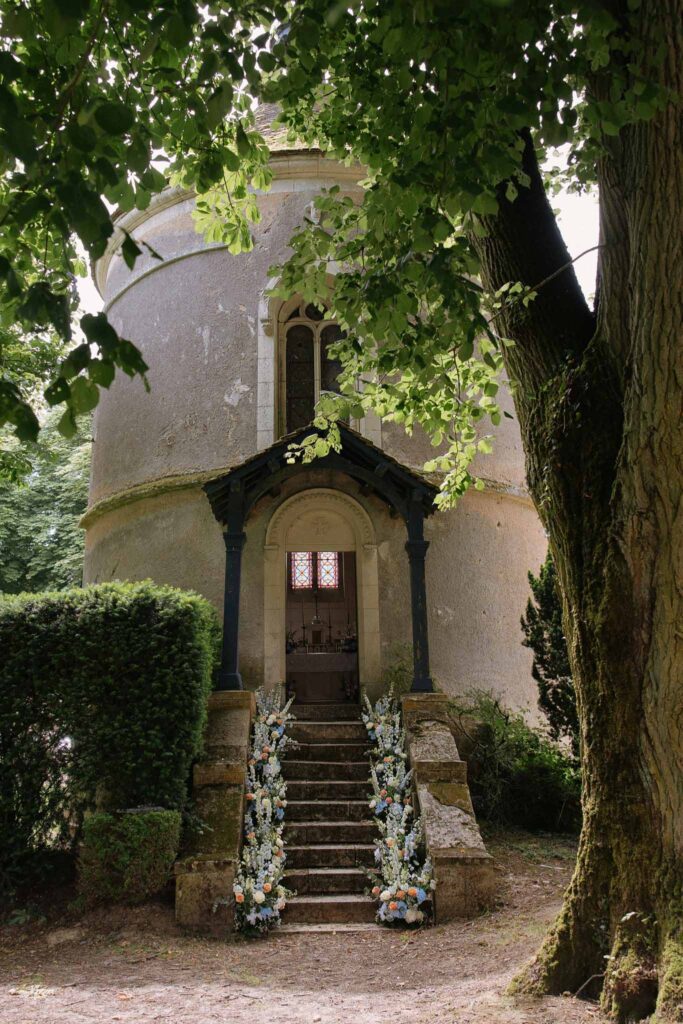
<point x="397" y="485"/>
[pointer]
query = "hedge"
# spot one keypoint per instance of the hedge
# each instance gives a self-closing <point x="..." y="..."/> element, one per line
<point x="103" y="694"/>
<point x="127" y="857"/>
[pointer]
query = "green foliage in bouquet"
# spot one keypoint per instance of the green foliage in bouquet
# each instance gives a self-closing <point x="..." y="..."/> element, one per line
<point x="403" y="876"/>
<point x="127" y="857"/>
<point x="259" y="893"/>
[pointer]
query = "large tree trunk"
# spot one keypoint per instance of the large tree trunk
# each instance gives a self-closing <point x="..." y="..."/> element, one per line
<point x="600" y="404"/>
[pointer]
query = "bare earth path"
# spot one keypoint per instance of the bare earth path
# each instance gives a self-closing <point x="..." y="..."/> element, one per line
<point x="136" y="967"/>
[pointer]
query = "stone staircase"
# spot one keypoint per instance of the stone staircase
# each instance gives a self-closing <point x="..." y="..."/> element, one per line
<point x="329" y="836"/>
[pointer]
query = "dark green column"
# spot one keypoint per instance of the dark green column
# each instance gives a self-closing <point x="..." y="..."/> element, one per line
<point x="416" y="546"/>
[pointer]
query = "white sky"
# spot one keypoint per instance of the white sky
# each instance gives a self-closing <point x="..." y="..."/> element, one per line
<point x="578" y="219"/>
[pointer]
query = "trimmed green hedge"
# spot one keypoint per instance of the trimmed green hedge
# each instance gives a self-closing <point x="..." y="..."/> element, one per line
<point x="126" y="858"/>
<point x="103" y="694"/>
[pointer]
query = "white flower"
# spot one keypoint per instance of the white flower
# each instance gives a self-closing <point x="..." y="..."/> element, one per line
<point x="281" y="903"/>
<point x="279" y="842"/>
<point x="259" y="897"/>
<point x="373" y="803"/>
<point x="386" y="895"/>
<point x="432" y="884"/>
<point x="270" y="720"/>
<point x="411" y="915"/>
<point x="369" y="726"/>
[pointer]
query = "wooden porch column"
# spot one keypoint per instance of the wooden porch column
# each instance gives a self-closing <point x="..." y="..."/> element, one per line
<point x="228" y="677"/>
<point x="416" y="546"/>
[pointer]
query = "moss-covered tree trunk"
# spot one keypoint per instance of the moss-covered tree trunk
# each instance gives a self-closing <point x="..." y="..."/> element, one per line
<point x="600" y="403"/>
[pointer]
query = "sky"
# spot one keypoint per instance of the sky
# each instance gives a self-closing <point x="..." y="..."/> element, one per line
<point x="578" y="219"/>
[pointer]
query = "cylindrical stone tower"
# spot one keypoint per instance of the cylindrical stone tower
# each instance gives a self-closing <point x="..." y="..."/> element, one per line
<point x="214" y="343"/>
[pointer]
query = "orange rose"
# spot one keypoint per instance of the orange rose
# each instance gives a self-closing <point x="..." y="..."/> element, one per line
<point x="239" y="897"/>
<point x="390" y="800"/>
<point x="393" y="905"/>
<point x="412" y="891"/>
<point x="250" y="796"/>
<point x="278" y="853"/>
<point x="400" y="894"/>
<point x="251" y="835"/>
<point x="267" y="887"/>
<point x="375" y="890"/>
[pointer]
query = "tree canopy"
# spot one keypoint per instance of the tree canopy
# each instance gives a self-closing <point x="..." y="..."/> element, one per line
<point x="101" y="104"/>
<point x="41" y="543"/>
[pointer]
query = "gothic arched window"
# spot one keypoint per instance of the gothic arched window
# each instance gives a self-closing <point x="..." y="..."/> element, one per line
<point x="306" y="368"/>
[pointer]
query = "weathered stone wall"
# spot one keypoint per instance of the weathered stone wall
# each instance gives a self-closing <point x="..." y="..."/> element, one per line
<point x="199" y="320"/>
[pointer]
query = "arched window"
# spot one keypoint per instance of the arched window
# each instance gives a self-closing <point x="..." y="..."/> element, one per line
<point x="305" y="367"/>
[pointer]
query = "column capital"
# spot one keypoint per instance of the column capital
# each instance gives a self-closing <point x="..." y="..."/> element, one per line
<point x="234" y="541"/>
<point x="417" y="548"/>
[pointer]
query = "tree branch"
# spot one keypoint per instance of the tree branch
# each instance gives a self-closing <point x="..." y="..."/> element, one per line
<point x="524" y="244"/>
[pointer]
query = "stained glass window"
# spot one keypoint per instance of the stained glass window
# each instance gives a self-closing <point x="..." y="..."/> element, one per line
<point x="328" y="570"/>
<point x="307" y="568"/>
<point x="301" y="569"/>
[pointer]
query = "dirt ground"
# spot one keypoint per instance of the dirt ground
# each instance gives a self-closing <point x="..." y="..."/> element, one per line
<point x="137" y="967"/>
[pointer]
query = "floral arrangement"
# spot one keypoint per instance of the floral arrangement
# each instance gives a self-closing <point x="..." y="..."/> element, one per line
<point x="259" y="893"/>
<point x="405" y="875"/>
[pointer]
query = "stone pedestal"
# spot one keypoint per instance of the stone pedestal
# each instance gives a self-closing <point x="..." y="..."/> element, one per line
<point x="465" y="879"/>
<point x="205" y="874"/>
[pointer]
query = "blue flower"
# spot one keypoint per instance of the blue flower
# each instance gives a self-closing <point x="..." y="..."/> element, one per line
<point x="421" y="895"/>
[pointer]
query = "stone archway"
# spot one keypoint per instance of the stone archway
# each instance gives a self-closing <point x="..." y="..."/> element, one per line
<point x="320" y="519"/>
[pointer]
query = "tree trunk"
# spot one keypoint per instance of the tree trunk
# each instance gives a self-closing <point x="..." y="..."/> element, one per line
<point x="600" y="405"/>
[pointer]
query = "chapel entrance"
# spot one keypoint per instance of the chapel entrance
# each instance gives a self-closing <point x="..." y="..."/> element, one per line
<point x="321" y="640"/>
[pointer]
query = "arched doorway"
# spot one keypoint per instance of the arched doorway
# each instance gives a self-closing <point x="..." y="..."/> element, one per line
<point x="320" y="520"/>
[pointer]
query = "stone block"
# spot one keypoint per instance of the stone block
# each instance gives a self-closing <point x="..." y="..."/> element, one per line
<point x="230" y="714"/>
<point x="204" y="900"/>
<point x="219" y="773"/>
<point x="221" y="810"/>
<point x="466" y="886"/>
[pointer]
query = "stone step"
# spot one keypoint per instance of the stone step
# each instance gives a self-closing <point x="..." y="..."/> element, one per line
<point x="299" y="789"/>
<point x="329" y="909"/>
<point x="317" y="832"/>
<point x="328" y="732"/>
<point x="332" y="752"/>
<point x="343" y="855"/>
<point x="318" y="881"/>
<point x="326" y="810"/>
<point x="341" y="771"/>
<point x="326" y="711"/>
<point x="326" y="929"/>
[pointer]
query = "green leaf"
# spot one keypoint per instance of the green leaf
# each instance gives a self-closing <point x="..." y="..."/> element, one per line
<point x="114" y="117"/>
<point x="130" y="250"/>
<point x="84" y="395"/>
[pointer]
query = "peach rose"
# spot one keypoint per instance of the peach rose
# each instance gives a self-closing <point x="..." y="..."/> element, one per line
<point x="250" y="796"/>
<point x="382" y="792"/>
<point x="393" y="905"/>
<point x="267" y="887"/>
<point x="376" y="890"/>
<point x="239" y="897"/>
<point x="400" y="894"/>
<point x="390" y="800"/>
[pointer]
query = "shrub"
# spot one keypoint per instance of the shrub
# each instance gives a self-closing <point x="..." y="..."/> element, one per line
<point x="127" y="857"/>
<point x="104" y="694"/>
<point x="544" y="634"/>
<point x="517" y="776"/>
